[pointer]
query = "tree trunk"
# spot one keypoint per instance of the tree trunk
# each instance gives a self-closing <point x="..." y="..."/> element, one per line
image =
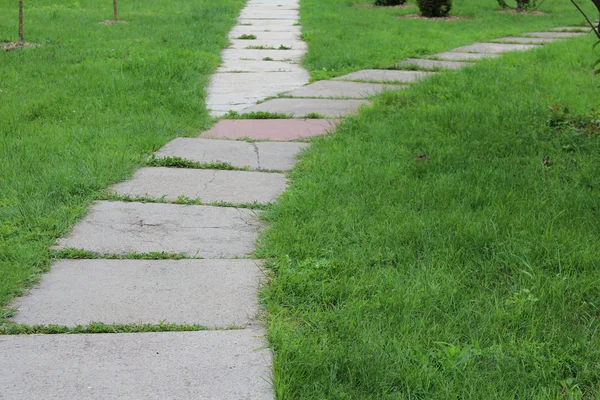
<point x="21" y="38"/>
<point x="116" y="14"/>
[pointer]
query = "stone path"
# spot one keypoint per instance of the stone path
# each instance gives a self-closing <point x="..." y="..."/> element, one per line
<point x="216" y="284"/>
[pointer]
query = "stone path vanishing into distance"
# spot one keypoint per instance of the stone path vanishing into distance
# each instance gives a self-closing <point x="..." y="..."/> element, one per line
<point x="216" y="284"/>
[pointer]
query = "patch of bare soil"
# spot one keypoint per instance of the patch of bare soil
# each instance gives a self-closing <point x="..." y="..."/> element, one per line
<point x="371" y="5"/>
<point x="15" y="45"/>
<point x="419" y="16"/>
<point x="534" y="12"/>
<point x="112" y="21"/>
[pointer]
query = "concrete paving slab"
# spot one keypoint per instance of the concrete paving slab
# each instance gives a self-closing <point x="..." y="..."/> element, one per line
<point x="258" y="66"/>
<point x="257" y="27"/>
<point x="212" y="293"/>
<point x="268" y="14"/>
<point x="206" y="185"/>
<point x="197" y="231"/>
<point x="432" y="64"/>
<point x="454" y="56"/>
<point x="585" y="29"/>
<point x="341" y="89"/>
<point x="532" y="40"/>
<point x="269" y="44"/>
<point x="494" y="48"/>
<point x="216" y="365"/>
<point x="269" y="129"/>
<point x="239" y="154"/>
<point x="555" y="34"/>
<point x="302" y="107"/>
<point x="384" y="75"/>
<point x="266" y="35"/>
<point x="227" y="83"/>
<point x="268" y="22"/>
<point x="273" y="55"/>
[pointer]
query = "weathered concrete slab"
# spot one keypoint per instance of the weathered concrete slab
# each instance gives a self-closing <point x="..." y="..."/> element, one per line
<point x="268" y="22"/>
<point x="432" y="64"/>
<point x="207" y="185"/>
<point x="251" y="54"/>
<point x="303" y="107"/>
<point x="454" y="56"/>
<point x="555" y="34"/>
<point x="268" y="44"/>
<point x="269" y="129"/>
<point x="258" y="66"/>
<point x="239" y="154"/>
<point x="269" y="13"/>
<point x="265" y="35"/>
<point x="494" y="48"/>
<point x="532" y="40"/>
<point x="171" y="365"/>
<point x="341" y="89"/>
<point x="212" y="293"/>
<point x="384" y="75"/>
<point x="585" y="29"/>
<point x="197" y="231"/>
<point x="258" y="27"/>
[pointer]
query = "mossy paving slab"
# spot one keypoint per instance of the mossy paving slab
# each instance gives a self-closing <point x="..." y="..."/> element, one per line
<point x="341" y="89"/>
<point x="301" y="107"/>
<point x="384" y="75"/>
<point x="204" y="184"/>
<point x="169" y="365"/>
<point x="494" y="48"/>
<point x="269" y="129"/>
<point x="258" y="155"/>
<point x="212" y="293"/>
<point x="432" y="64"/>
<point x="555" y="34"/>
<point x="456" y="56"/>
<point x="525" y="40"/>
<point x="197" y="231"/>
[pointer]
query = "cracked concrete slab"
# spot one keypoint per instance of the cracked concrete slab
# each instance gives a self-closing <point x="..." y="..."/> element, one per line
<point x="230" y="364"/>
<point x="206" y="185"/>
<point x="455" y="56"/>
<point x="555" y="34"/>
<point x="269" y="129"/>
<point x="494" y="48"/>
<point x="432" y="64"/>
<point x="212" y="293"/>
<point x="113" y="227"/>
<point x="385" y="75"/>
<point x="341" y="89"/>
<point x="237" y="153"/>
<point x="303" y="107"/>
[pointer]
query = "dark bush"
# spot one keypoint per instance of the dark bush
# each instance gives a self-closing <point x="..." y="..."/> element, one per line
<point x="435" y="8"/>
<point x="389" y="2"/>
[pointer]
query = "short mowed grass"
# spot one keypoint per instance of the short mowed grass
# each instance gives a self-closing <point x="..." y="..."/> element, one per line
<point x="84" y="109"/>
<point x="345" y="36"/>
<point x="445" y="243"/>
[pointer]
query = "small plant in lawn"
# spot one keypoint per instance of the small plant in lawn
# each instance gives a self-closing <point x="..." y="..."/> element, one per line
<point x="387" y="3"/>
<point x="435" y="8"/>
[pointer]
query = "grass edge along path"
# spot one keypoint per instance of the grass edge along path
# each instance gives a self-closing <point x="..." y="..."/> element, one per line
<point x="111" y="95"/>
<point x="443" y="243"/>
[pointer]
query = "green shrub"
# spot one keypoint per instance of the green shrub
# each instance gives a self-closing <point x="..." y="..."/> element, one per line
<point x="389" y="2"/>
<point x="434" y="8"/>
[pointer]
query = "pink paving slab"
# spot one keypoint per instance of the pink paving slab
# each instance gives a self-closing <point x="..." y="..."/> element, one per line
<point x="269" y="129"/>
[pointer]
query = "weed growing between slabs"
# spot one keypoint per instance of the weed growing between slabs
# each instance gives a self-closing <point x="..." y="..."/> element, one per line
<point x="444" y="244"/>
<point x="86" y="108"/>
<point x="344" y="37"/>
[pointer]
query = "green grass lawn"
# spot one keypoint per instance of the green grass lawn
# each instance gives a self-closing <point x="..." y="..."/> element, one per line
<point x="445" y="244"/>
<point x="344" y="37"/>
<point x="81" y="111"/>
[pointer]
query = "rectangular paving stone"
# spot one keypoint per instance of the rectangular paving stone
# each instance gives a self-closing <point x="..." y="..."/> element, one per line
<point x="302" y="107"/>
<point x="268" y="22"/>
<point x="258" y="27"/>
<point x="257" y="155"/>
<point x="258" y="66"/>
<point x="341" y="89"/>
<point x="258" y="55"/>
<point x="265" y="35"/>
<point x="454" y="56"/>
<point x="212" y="293"/>
<point x="494" y="48"/>
<point x="555" y="34"/>
<point x="204" y="184"/>
<point x="384" y="75"/>
<point x="432" y="64"/>
<point x="269" y="13"/>
<point x="113" y="227"/>
<point x="269" y="129"/>
<point x="533" y="40"/>
<point x="268" y="44"/>
<point x="230" y="364"/>
<point x="585" y="29"/>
